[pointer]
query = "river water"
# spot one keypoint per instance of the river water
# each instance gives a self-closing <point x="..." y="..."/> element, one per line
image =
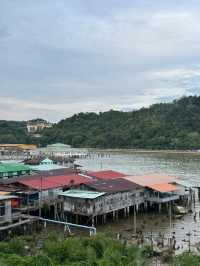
<point x="184" y="165"/>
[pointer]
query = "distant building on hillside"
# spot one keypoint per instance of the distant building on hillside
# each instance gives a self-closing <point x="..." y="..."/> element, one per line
<point x="37" y="125"/>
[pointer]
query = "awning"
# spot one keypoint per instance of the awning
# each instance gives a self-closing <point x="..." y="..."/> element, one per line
<point x="164" y="187"/>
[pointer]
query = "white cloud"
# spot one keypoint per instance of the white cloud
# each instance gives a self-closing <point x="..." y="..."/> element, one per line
<point x="58" y="58"/>
<point x="177" y="73"/>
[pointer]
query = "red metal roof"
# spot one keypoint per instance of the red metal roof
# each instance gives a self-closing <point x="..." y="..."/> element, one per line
<point x="165" y="187"/>
<point x="51" y="182"/>
<point x="106" y="174"/>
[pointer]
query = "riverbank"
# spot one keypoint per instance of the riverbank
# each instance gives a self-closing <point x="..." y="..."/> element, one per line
<point x="106" y="151"/>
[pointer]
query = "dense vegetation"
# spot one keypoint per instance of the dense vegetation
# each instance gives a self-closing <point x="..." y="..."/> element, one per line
<point x="94" y="251"/>
<point x="71" y="251"/>
<point x="13" y="132"/>
<point x="173" y="125"/>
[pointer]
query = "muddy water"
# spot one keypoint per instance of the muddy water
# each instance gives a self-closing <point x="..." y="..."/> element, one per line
<point x="154" y="224"/>
<point x="184" y="165"/>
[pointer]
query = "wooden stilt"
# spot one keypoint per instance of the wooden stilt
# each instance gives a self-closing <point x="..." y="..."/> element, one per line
<point x="113" y="215"/>
<point x="128" y="211"/>
<point x="124" y="212"/>
<point x="104" y="218"/>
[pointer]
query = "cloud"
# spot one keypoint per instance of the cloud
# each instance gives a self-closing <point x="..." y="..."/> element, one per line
<point x="63" y="57"/>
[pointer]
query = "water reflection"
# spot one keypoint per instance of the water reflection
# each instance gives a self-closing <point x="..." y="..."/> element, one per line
<point x="184" y="165"/>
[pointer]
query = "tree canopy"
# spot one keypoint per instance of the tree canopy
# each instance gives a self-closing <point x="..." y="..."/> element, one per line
<point x="173" y="125"/>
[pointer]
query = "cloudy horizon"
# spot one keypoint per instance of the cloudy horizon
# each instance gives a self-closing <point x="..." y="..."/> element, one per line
<point x="61" y="57"/>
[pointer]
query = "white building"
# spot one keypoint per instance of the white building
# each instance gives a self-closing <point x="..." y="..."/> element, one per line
<point x="37" y="125"/>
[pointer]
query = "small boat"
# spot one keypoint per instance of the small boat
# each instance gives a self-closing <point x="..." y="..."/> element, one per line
<point x="180" y="210"/>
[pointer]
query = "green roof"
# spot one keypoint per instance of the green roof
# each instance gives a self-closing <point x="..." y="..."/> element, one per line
<point x="13" y="167"/>
<point x="83" y="194"/>
<point x="58" y="145"/>
<point x="46" y="161"/>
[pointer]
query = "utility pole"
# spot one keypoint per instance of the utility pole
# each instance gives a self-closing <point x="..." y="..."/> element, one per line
<point x="40" y="198"/>
<point x="151" y="239"/>
<point x="101" y="165"/>
<point x="189" y="241"/>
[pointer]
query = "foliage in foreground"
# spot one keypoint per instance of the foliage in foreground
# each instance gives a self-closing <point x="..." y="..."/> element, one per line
<point x="95" y="251"/>
<point x="186" y="259"/>
<point x="99" y="250"/>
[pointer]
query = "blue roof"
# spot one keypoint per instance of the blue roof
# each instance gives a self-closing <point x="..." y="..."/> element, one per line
<point x="46" y="167"/>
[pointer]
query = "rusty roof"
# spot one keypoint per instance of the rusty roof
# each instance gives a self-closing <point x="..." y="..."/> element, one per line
<point x="51" y="182"/>
<point x="150" y="179"/>
<point x="113" y="185"/>
<point x="164" y="187"/>
<point x="105" y="174"/>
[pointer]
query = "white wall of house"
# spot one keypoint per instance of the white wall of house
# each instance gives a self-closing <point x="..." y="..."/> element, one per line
<point x="6" y="215"/>
<point x="50" y="193"/>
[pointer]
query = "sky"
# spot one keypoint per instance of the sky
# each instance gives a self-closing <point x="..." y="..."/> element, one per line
<point x="63" y="57"/>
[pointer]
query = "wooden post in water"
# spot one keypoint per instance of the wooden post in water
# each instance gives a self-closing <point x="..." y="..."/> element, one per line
<point x="117" y="215"/>
<point x="125" y="212"/>
<point x="170" y="218"/>
<point x="135" y="221"/>
<point x="128" y="211"/>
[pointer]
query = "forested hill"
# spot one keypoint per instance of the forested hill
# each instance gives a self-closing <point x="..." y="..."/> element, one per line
<point x="173" y="125"/>
<point x="13" y="132"/>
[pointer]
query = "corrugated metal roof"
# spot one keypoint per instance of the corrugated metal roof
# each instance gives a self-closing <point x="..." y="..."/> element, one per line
<point x="46" y="167"/>
<point x="51" y="182"/>
<point x="83" y="194"/>
<point x="58" y="172"/>
<point x="106" y="174"/>
<point x="164" y="187"/>
<point x="62" y="171"/>
<point x="19" y="146"/>
<point x="113" y="185"/>
<point x="150" y="179"/>
<point x="12" y="167"/>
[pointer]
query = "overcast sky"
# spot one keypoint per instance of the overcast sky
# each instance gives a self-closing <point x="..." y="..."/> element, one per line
<point x="60" y="57"/>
